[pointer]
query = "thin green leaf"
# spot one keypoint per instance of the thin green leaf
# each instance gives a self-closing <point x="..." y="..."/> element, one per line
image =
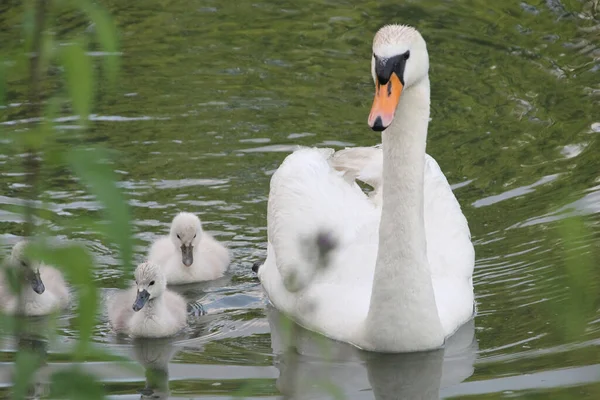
<point x="2" y="82"/>
<point x="106" y="33"/>
<point x="28" y="25"/>
<point x="50" y="112"/>
<point x="26" y="365"/>
<point x="77" y="264"/>
<point x="79" y="77"/>
<point x="73" y="383"/>
<point x="47" y="51"/>
<point x="101" y="180"/>
<point x="581" y="303"/>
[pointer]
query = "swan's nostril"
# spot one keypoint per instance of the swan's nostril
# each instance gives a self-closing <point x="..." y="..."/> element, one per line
<point x="378" y="125"/>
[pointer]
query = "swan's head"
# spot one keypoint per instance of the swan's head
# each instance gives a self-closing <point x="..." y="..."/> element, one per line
<point x="399" y="61"/>
<point x="186" y="231"/>
<point x="30" y="268"/>
<point x="151" y="283"/>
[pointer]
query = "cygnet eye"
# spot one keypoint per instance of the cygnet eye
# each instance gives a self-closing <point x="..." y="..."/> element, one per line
<point x="195" y="235"/>
<point x="178" y="237"/>
<point x="151" y="283"/>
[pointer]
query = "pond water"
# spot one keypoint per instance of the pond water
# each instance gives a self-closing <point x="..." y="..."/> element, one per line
<point x="211" y="98"/>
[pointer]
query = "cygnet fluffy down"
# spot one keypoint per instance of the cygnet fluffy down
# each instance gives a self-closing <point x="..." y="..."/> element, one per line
<point x="148" y="309"/>
<point x="43" y="288"/>
<point x="189" y="254"/>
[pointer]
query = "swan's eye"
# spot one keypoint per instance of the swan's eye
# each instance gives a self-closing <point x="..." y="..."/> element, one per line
<point x="178" y="237"/>
<point x="151" y="283"/>
<point x="194" y="236"/>
<point x="407" y="54"/>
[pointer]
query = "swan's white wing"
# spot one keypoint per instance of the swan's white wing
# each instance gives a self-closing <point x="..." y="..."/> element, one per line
<point x="306" y="197"/>
<point x="364" y="164"/>
<point x="449" y="249"/>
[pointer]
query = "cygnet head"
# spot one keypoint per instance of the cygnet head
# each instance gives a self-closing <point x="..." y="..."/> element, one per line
<point x="30" y="268"/>
<point x="151" y="283"/>
<point x="399" y="61"/>
<point x="186" y="231"/>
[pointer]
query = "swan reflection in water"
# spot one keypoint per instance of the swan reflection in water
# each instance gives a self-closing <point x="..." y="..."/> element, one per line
<point x="154" y="355"/>
<point x="312" y="366"/>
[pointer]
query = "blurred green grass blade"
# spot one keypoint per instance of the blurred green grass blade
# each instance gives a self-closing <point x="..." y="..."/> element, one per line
<point x="28" y="25"/>
<point x="77" y="264"/>
<point x="73" y="383"/>
<point x="79" y="77"/>
<point x="2" y="81"/>
<point x="101" y="180"/>
<point x="26" y="364"/>
<point x="106" y="33"/>
<point x="47" y="52"/>
<point x="580" y="305"/>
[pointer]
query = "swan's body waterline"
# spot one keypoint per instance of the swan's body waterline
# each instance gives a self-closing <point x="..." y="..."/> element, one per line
<point x="401" y="277"/>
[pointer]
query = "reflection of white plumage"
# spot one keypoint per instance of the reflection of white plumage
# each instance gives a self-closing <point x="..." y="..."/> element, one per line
<point x="303" y="364"/>
<point x="148" y="309"/>
<point x="154" y="355"/>
<point x="43" y="292"/>
<point x="400" y="278"/>
<point x="189" y="254"/>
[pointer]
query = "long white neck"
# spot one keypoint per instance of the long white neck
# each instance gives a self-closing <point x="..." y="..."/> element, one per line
<point x="403" y="314"/>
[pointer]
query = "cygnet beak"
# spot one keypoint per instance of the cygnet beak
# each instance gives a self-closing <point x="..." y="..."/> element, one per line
<point x="36" y="282"/>
<point x="187" y="255"/>
<point x="141" y="300"/>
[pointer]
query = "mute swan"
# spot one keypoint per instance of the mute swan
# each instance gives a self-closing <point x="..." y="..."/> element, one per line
<point x="43" y="289"/>
<point x="189" y="254"/>
<point x="148" y="309"/>
<point x="400" y="278"/>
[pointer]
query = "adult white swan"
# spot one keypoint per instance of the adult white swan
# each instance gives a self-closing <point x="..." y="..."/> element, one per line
<point x="400" y="277"/>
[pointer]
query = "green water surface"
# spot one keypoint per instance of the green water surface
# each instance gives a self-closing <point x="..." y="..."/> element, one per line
<point x="211" y="98"/>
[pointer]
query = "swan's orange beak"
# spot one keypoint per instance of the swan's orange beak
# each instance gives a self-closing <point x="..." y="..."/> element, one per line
<point x="385" y="103"/>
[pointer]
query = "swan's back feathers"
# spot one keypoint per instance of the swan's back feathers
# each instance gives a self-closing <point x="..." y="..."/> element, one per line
<point x="450" y="252"/>
<point x="307" y="197"/>
<point x="362" y="163"/>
